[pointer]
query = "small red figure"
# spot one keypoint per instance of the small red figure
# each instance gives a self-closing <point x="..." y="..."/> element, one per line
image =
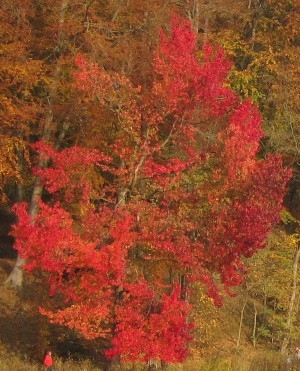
<point x="48" y="361"/>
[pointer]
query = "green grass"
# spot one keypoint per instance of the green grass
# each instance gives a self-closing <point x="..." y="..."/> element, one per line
<point x="264" y="361"/>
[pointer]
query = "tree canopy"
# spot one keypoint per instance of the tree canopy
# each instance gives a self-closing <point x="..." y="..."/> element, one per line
<point x="165" y="190"/>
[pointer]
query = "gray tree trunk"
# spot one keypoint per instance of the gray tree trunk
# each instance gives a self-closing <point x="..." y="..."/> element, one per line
<point x="254" y="325"/>
<point x="291" y="309"/>
<point x="238" y="341"/>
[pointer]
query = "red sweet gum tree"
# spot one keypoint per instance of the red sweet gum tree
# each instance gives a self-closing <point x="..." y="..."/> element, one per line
<point x="182" y="198"/>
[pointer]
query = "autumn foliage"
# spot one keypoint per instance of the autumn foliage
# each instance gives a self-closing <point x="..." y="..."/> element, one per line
<point x="175" y="194"/>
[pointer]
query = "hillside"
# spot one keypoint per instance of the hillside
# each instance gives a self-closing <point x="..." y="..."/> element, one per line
<point x="149" y="166"/>
<point x="25" y="336"/>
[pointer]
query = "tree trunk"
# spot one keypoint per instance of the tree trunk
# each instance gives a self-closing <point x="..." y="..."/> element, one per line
<point x="196" y="16"/>
<point x="206" y="30"/>
<point x="15" y="277"/>
<point x="241" y="324"/>
<point x="291" y="309"/>
<point x="254" y="325"/>
<point x="115" y="364"/>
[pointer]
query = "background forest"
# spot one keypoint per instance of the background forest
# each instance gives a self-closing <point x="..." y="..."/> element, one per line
<point x="79" y="75"/>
